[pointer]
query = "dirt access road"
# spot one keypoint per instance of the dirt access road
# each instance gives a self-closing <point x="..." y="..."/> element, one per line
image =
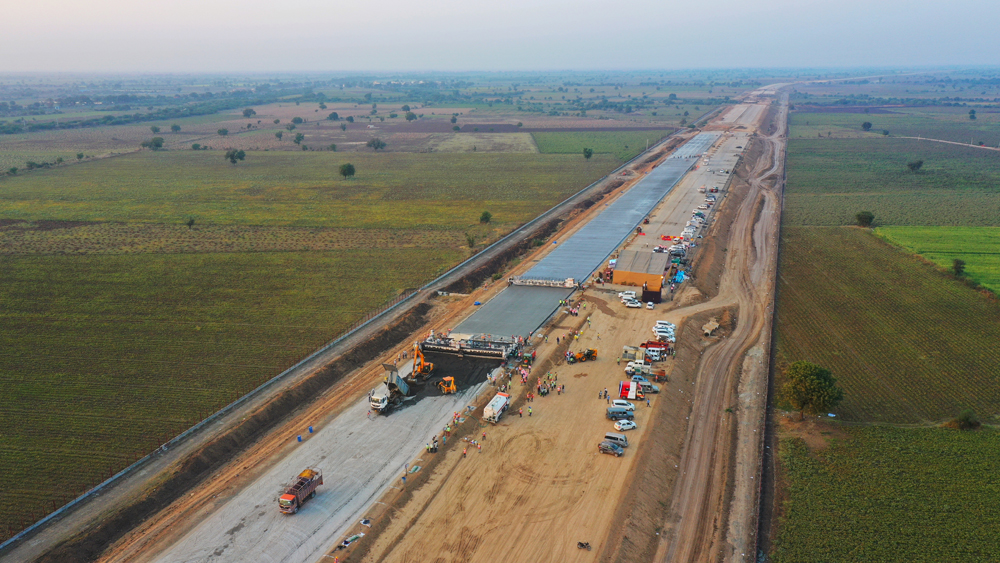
<point x="713" y="509"/>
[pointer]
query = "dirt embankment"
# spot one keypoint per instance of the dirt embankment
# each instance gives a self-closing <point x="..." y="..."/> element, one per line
<point x="711" y="260"/>
<point x="90" y="543"/>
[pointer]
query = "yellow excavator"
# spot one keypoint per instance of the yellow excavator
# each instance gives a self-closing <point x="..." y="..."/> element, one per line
<point x="421" y="367"/>
<point x="447" y="386"/>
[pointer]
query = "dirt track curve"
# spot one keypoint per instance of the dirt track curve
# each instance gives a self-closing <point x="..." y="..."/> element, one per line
<point x="704" y="497"/>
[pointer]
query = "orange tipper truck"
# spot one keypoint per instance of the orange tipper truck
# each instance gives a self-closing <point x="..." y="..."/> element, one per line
<point x="303" y="488"/>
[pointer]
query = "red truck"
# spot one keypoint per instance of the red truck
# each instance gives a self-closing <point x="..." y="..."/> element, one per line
<point x="303" y="488"/>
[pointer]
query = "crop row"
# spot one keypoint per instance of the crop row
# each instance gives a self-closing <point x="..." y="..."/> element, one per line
<point x="906" y="343"/>
<point x="105" y="356"/>
<point x="891" y="494"/>
<point x="392" y="190"/>
<point x="137" y="238"/>
<point x="622" y="144"/>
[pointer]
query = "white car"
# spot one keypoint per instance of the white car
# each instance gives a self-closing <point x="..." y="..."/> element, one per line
<point x="633" y="304"/>
<point x="626" y="294"/>
<point x="702" y="207"/>
<point x="624" y="425"/>
<point x="649" y="305"/>
<point x="667" y="324"/>
<point x="623" y="404"/>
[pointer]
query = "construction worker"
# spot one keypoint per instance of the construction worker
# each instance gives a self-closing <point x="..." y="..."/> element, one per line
<point x="484" y="434"/>
<point x="529" y="411"/>
<point x="520" y="413"/>
<point x="465" y="451"/>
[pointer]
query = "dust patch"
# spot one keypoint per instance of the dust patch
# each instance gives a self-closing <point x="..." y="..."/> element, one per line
<point x="815" y="434"/>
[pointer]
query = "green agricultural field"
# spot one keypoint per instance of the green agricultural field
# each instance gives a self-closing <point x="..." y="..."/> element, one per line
<point x="103" y="357"/>
<point x="979" y="247"/>
<point x="946" y="123"/>
<point x="830" y="180"/>
<point x="907" y="344"/>
<point x="891" y="494"/>
<point x="622" y="144"/>
<point x="394" y="190"/>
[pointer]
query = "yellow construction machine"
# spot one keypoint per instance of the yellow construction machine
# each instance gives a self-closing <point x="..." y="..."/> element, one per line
<point x="447" y="386"/>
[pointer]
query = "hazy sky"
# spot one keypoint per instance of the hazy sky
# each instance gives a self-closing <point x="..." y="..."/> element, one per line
<point x="297" y="35"/>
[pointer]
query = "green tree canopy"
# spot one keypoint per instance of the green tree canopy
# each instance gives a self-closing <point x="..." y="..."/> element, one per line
<point x="299" y="137"/>
<point x="958" y="266"/>
<point x="865" y="218"/>
<point x="279" y="134"/>
<point x="347" y="170"/>
<point x="810" y="388"/>
<point x="154" y="129"/>
<point x="410" y="116"/>
<point x="915" y="165"/>
<point x="866" y="126"/>
<point x="223" y="132"/>
<point x="175" y="128"/>
<point x="376" y="143"/>
<point x="587" y="153"/>
<point x="249" y="112"/>
<point x="297" y="120"/>
<point x="486" y="217"/>
<point x="334" y="116"/>
<point x="233" y="155"/>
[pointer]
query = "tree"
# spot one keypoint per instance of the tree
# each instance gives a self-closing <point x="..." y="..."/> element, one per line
<point x="343" y="127"/>
<point x="410" y="116"/>
<point x="175" y="128"/>
<point x="405" y="108"/>
<point x="347" y="170"/>
<point x="958" y="266"/>
<point x="376" y="143"/>
<point x="332" y="147"/>
<point x="972" y="114"/>
<point x="156" y="143"/>
<point x="485" y="217"/>
<point x="456" y="128"/>
<point x="290" y="127"/>
<point x="279" y="134"/>
<point x="277" y="121"/>
<point x="350" y="119"/>
<point x="233" y="155"/>
<point x="587" y="153"/>
<point x="810" y="388"/>
<point x="298" y="138"/>
<point x="866" y="126"/>
<point x="967" y="420"/>
<point x="322" y="105"/>
<point x="915" y="165"/>
<point x="154" y="129"/>
<point x="196" y="146"/>
<point x="865" y="218"/>
<point x="334" y="116"/>
<point x="12" y="170"/>
<point x="454" y="119"/>
<point x="79" y="156"/>
<point x="189" y="222"/>
<point x="223" y="132"/>
<point x="298" y="120"/>
<point x="249" y="112"/>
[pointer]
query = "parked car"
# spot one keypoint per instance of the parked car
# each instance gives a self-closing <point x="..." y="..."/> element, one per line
<point x="626" y="294"/>
<point x="609" y="448"/>
<point x="638" y="379"/>
<point x="633" y="304"/>
<point x="623" y="425"/>
<point x="649" y="305"/>
<point x="623" y="403"/>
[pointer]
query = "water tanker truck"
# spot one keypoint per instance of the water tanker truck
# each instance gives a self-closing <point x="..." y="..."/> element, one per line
<point x="496" y="407"/>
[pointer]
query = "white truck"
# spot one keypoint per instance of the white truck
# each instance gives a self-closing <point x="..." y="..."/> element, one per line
<point x="390" y="394"/>
<point x="496" y="407"/>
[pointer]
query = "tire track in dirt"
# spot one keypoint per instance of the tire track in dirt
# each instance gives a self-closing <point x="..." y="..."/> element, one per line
<point x="699" y="515"/>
